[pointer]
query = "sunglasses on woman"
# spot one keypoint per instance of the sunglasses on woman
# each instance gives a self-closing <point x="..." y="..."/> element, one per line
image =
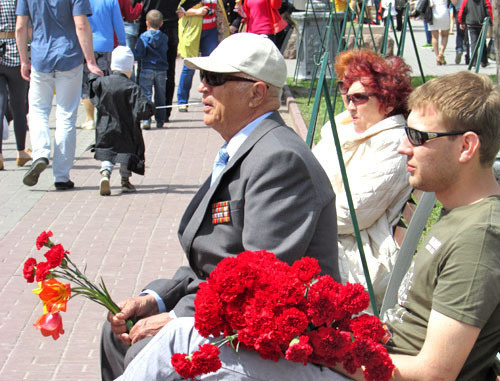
<point x="218" y="79"/>
<point x="359" y="98"/>
<point x="418" y="138"/>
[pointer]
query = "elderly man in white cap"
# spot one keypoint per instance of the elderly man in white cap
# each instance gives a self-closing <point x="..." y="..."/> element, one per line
<point x="266" y="192"/>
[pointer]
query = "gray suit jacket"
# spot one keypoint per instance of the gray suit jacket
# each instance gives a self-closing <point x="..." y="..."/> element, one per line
<point x="280" y="200"/>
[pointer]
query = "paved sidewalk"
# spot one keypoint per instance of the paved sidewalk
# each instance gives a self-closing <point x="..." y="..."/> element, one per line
<point x="128" y="239"/>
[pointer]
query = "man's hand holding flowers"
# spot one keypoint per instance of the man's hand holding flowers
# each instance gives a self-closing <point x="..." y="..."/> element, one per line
<point x="146" y="309"/>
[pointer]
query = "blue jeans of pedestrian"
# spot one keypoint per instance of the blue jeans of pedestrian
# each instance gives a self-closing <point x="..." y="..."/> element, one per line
<point x="428" y="36"/>
<point x="131" y="36"/>
<point x="156" y="79"/>
<point x="208" y="43"/>
<point x="131" y="33"/>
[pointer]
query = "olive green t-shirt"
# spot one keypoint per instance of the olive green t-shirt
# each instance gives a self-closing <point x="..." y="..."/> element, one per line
<point x="456" y="272"/>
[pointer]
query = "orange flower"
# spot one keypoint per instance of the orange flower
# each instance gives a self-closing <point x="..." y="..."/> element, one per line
<point x="54" y="295"/>
<point x="50" y="325"/>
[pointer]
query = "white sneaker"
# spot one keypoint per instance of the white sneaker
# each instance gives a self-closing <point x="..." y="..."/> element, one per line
<point x="104" y="187"/>
<point x="89" y="125"/>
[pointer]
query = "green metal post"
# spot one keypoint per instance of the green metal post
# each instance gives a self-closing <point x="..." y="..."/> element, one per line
<point x="383" y="45"/>
<point x="416" y="51"/>
<point x="402" y="40"/>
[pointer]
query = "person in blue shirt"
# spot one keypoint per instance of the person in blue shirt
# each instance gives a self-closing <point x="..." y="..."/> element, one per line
<point x="106" y="20"/>
<point x="151" y="52"/>
<point x="62" y="37"/>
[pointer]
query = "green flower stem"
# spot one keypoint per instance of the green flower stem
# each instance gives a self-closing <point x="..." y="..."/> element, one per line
<point x="99" y="294"/>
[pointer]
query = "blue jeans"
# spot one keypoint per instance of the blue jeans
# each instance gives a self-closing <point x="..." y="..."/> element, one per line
<point x="131" y="36"/>
<point x="108" y="166"/>
<point x="428" y="36"/>
<point x="208" y="43"/>
<point x="156" y="79"/>
<point x="131" y="33"/>
<point x="68" y="87"/>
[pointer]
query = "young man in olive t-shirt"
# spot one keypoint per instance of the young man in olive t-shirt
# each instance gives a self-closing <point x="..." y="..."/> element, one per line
<point x="446" y="324"/>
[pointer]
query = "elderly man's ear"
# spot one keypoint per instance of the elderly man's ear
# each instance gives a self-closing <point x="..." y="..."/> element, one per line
<point x="258" y="94"/>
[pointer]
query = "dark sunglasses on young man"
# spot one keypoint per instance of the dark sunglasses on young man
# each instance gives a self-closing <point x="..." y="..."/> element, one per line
<point x="359" y="98"/>
<point x="218" y="79"/>
<point x="418" y="138"/>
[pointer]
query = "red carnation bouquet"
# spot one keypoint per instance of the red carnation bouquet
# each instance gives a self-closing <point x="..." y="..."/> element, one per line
<point x="257" y="302"/>
<point x="53" y="293"/>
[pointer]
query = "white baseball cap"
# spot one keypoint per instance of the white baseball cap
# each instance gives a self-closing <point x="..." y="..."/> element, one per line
<point x="122" y="59"/>
<point x="249" y="53"/>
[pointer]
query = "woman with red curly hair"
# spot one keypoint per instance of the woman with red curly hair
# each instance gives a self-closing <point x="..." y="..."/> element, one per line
<point x="375" y="91"/>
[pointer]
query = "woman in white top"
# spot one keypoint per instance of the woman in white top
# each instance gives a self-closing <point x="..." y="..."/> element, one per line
<point x="439" y="28"/>
<point x="375" y="91"/>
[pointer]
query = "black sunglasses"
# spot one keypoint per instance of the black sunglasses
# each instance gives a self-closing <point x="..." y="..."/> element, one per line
<point x="417" y="138"/>
<point x="218" y="79"/>
<point x="359" y="98"/>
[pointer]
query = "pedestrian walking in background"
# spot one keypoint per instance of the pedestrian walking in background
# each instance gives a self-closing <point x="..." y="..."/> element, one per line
<point x="151" y="52"/>
<point x="131" y="12"/>
<point x="471" y="16"/>
<point x="200" y="31"/>
<point x="11" y="83"/>
<point x="62" y="38"/>
<point x="461" y="40"/>
<point x="169" y="10"/>
<point x="121" y="105"/>
<point x="263" y="17"/>
<point x="440" y="28"/>
<point x="106" y="22"/>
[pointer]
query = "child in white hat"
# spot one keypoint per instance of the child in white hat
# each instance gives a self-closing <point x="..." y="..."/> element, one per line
<point x="121" y="105"/>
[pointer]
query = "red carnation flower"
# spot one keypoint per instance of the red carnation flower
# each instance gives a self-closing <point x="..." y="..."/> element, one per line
<point x="292" y="322"/>
<point x="299" y="350"/>
<point x="329" y="344"/>
<point x="374" y="356"/>
<point x="183" y="365"/>
<point x="43" y="239"/>
<point x="206" y="360"/>
<point x="42" y="271"/>
<point x="55" y="255"/>
<point x="290" y="291"/>
<point x="322" y="305"/>
<point x="207" y="312"/>
<point x="306" y="269"/>
<point x="353" y="298"/>
<point x="268" y="347"/>
<point x="367" y="326"/>
<point x="29" y="270"/>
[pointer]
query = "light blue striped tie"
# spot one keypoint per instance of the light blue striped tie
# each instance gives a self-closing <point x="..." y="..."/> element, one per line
<point x="220" y="163"/>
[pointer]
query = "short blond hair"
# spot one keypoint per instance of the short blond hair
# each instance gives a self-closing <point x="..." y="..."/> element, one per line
<point x="155" y="18"/>
<point x="467" y="102"/>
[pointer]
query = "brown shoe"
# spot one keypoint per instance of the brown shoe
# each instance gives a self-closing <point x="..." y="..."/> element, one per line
<point x="127" y="187"/>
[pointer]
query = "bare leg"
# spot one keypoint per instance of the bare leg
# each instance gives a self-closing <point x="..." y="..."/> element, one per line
<point x="89" y="109"/>
<point x="435" y="39"/>
<point x="444" y="40"/>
